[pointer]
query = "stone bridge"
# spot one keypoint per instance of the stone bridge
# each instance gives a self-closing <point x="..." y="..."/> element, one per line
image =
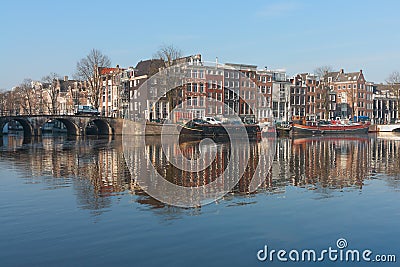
<point x="75" y="125"/>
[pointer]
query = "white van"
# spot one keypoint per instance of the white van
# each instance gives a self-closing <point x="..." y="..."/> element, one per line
<point x="86" y="110"/>
<point x="211" y="120"/>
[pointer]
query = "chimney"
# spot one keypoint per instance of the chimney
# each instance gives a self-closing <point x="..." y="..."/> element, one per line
<point x="341" y="71"/>
<point x="65" y="78"/>
<point x="360" y="71"/>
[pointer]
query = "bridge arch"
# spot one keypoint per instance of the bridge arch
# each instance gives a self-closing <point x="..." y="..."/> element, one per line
<point x="72" y="128"/>
<point x="103" y="127"/>
<point x="25" y="123"/>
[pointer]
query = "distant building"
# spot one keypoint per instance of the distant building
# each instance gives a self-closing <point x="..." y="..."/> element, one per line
<point x="353" y="92"/>
<point x="280" y="96"/>
<point x="110" y="93"/>
<point x="386" y="103"/>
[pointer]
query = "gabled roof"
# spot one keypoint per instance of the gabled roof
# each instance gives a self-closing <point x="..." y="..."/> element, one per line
<point x="149" y="67"/>
<point x="341" y="76"/>
<point x="344" y="77"/>
<point x="104" y="71"/>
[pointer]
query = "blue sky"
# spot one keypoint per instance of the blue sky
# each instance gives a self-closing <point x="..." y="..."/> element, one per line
<point x="39" y="37"/>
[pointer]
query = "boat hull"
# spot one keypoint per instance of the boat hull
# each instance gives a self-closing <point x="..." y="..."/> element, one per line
<point x="298" y="129"/>
<point x="253" y="132"/>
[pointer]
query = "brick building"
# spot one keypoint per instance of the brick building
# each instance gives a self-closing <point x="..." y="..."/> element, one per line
<point x="353" y="93"/>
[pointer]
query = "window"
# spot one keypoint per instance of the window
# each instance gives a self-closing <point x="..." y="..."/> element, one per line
<point x="202" y="101"/>
<point x="189" y="87"/>
<point x="201" y="87"/>
<point x="195" y="87"/>
<point x="201" y="73"/>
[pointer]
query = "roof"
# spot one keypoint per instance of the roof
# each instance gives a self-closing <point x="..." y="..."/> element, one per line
<point x="104" y="71"/>
<point x="149" y="67"/>
<point x="242" y="66"/>
<point x="341" y="76"/>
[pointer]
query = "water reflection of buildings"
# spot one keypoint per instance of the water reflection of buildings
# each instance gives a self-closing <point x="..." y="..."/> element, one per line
<point x="97" y="169"/>
<point x="385" y="157"/>
<point x="330" y="162"/>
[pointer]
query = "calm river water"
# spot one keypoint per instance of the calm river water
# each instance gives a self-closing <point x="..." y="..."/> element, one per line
<point x="74" y="202"/>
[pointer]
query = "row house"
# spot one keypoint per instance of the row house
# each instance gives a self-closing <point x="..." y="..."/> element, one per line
<point x="110" y="93"/>
<point x="311" y="99"/>
<point x="154" y="109"/>
<point x="280" y="96"/>
<point x="264" y="84"/>
<point x="386" y="103"/>
<point x="194" y="91"/>
<point x="353" y="93"/>
<point x="217" y="96"/>
<point x="243" y="87"/>
<point x="271" y="84"/>
<point x="71" y="93"/>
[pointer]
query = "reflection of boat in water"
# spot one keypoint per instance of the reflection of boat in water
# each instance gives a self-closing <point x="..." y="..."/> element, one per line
<point x="346" y="138"/>
<point x="267" y="128"/>
<point x="200" y="128"/>
<point x="328" y="128"/>
<point x="283" y="128"/>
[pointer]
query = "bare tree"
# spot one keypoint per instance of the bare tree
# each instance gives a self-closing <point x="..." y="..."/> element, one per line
<point x="10" y="103"/>
<point x="168" y="53"/>
<point x="27" y="94"/>
<point x="50" y="84"/>
<point x="324" y="88"/>
<point x="394" y="87"/>
<point x="88" y="69"/>
<point x="3" y="103"/>
<point x="321" y="71"/>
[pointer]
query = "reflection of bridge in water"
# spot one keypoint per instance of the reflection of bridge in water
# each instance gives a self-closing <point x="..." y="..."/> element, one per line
<point x="76" y="125"/>
<point x="97" y="168"/>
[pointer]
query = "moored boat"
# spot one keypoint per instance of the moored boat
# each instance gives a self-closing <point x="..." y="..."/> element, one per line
<point x="198" y="128"/>
<point x="352" y="128"/>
